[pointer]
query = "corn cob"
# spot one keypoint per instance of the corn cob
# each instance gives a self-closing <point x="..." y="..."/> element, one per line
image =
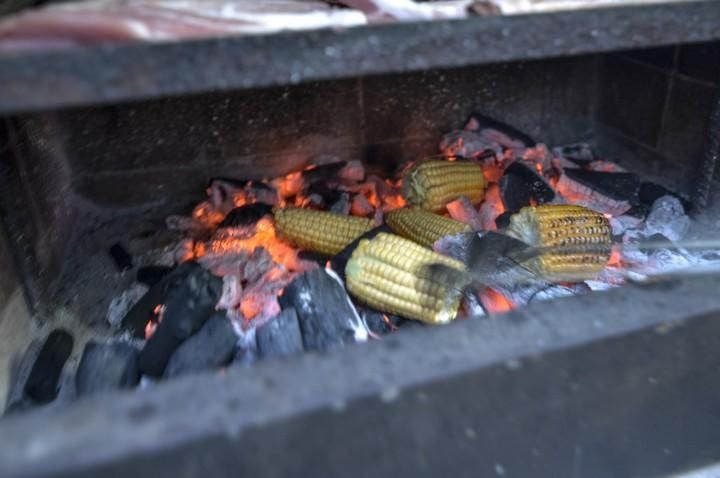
<point x="319" y="231"/>
<point x="575" y="241"/>
<point x="430" y="185"/>
<point x="393" y="275"/>
<point x="423" y="227"/>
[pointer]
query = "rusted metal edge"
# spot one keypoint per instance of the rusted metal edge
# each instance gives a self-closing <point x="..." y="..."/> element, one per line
<point x="118" y="73"/>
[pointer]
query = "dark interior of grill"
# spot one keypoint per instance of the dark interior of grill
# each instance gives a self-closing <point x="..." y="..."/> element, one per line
<point x="78" y="179"/>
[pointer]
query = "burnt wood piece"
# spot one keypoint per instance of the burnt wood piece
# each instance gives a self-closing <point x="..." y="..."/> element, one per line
<point x="42" y="384"/>
<point x="324" y="310"/>
<point x="106" y="367"/>
<point x="484" y="122"/>
<point x="152" y="275"/>
<point x="188" y="305"/>
<point x="144" y="310"/>
<point x="281" y="336"/>
<point x="210" y="348"/>
<point x="520" y="185"/>
<point x="246" y="215"/>
<point x="121" y="257"/>
<point x="339" y="260"/>
<point x="618" y="186"/>
<point x="581" y="154"/>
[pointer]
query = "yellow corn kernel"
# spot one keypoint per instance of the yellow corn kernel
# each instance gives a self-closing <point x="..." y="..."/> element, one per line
<point x="423" y="227"/>
<point x="578" y="240"/>
<point x="391" y="274"/>
<point x="431" y="184"/>
<point x="319" y="231"/>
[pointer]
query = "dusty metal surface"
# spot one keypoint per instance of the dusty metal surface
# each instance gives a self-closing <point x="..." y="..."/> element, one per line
<point x="622" y="383"/>
<point x="41" y="81"/>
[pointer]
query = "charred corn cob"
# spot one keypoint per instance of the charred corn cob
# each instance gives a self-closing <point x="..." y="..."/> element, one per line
<point x="393" y="275"/>
<point x="423" y="227"/>
<point x="319" y="231"/>
<point x="430" y="185"/>
<point x="575" y="241"/>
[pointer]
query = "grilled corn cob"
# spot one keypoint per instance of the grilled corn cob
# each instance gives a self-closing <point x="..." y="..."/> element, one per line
<point x="423" y="227"/>
<point x="393" y="275"/>
<point x="430" y="185"/>
<point x="575" y="241"/>
<point x="319" y="231"/>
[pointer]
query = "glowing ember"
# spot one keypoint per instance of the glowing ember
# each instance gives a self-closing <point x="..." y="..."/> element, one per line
<point x="494" y="302"/>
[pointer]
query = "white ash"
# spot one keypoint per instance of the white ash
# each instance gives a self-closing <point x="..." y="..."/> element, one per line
<point x="468" y="144"/>
<point x="471" y="305"/>
<point x="121" y="304"/>
<point x="598" y="285"/>
<point x="360" y="328"/>
<point x="231" y="292"/>
<point x="576" y="193"/>
<point x="667" y="217"/>
<point x="620" y="224"/>
<point x="464" y="211"/>
<point x="490" y="208"/>
<point x="540" y="156"/>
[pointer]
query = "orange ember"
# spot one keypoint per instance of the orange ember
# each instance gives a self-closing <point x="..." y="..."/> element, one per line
<point x="264" y="237"/>
<point x="494" y="302"/>
<point x="615" y="258"/>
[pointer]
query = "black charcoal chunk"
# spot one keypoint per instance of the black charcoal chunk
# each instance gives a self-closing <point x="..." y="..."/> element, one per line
<point x="323" y="172"/>
<point x="42" y="384"/>
<point x="106" y="367"/>
<point x="376" y="321"/>
<point x="324" y="311"/>
<point x="238" y="183"/>
<point x="188" y="304"/>
<point x="483" y="122"/>
<point x="520" y="185"/>
<point x="503" y="220"/>
<point x="651" y="192"/>
<point x="151" y="275"/>
<point x="122" y="258"/>
<point x="618" y="186"/>
<point x="144" y="310"/>
<point x="211" y="347"/>
<point x="339" y="261"/>
<point x="280" y="336"/>
<point x="246" y="215"/>
<point x="581" y="154"/>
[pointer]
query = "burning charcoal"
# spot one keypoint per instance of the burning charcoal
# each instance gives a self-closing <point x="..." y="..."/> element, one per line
<point x="188" y="305"/>
<point x="122" y="258"/>
<point x="246" y="352"/>
<point x="468" y="144"/>
<point x="478" y="122"/>
<point x="144" y="309"/>
<point x="581" y="154"/>
<point x="361" y="207"/>
<point x="211" y="347"/>
<point x="667" y="217"/>
<point x="520" y="186"/>
<point x="463" y="210"/>
<point x="378" y="322"/>
<point x="326" y="315"/>
<point x="471" y="306"/>
<point x="106" y="367"/>
<point x="503" y="220"/>
<point x="617" y="186"/>
<point x="246" y="215"/>
<point x="42" y="384"/>
<point x="339" y="260"/>
<point x="280" y="336"/>
<point x="151" y="275"/>
<point x="491" y="208"/>
<point x="581" y="195"/>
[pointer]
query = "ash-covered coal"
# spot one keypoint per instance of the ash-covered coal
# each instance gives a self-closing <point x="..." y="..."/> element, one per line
<point x="326" y="314"/>
<point x="280" y="336"/>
